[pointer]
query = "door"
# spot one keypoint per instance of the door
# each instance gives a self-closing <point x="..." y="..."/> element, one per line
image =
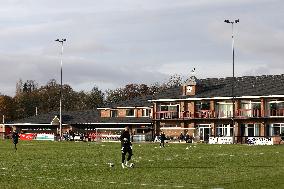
<point x="204" y="132"/>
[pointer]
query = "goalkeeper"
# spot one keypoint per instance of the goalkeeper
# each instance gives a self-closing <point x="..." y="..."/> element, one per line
<point x="126" y="147"/>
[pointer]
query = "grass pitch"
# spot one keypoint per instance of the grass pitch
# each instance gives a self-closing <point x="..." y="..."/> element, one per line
<point x="41" y="164"/>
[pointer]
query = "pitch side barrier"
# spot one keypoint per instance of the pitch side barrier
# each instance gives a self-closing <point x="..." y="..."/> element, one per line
<point x="258" y="140"/>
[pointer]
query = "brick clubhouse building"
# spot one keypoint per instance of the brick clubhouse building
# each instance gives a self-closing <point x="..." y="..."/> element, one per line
<point x="205" y="109"/>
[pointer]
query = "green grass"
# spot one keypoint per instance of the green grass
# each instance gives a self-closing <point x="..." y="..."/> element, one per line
<point x="44" y="164"/>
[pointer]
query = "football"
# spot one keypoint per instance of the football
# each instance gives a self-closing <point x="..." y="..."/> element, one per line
<point x="131" y="165"/>
<point x="111" y="165"/>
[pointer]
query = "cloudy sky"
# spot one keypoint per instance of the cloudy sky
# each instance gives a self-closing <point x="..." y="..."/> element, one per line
<point x="111" y="43"/>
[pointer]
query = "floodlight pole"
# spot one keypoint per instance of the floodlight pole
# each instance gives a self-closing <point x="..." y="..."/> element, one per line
<point x="233" y="83"/>
<point x="60" y="100"/>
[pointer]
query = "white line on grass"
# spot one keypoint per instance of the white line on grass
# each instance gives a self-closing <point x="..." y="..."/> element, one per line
<point x="144" y="184"/>
<point x="98" y="181"/>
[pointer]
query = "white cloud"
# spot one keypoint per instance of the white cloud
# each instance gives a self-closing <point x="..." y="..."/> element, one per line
<point x="111" y="43"/>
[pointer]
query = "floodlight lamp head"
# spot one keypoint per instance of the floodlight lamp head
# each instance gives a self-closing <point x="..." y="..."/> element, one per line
<point x="63" y="39"/>
<point x="57" y="40"/>
<point x="238" y="20"/>
<point x="227" y="21"/>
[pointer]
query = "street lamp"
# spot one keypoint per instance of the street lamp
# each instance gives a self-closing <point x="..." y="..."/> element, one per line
<point x="233" y="83"/>
<point x="60" y="101"/>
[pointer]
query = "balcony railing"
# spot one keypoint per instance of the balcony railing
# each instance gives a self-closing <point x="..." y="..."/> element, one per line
<point x="207" y="114"/>
<point x="276" y="113"/>
<point x="243" y="113"/>
<point x="167" y="115"/>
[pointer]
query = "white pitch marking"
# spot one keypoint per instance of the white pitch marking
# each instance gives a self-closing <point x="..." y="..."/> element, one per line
<point x="52" y="179"/>
<point x="3" y="168"/>
<point x="127" y="183"/>
<point x="150" y="160"/>
<point x="112" y="182"/>
<point x="277" y="152"/>
<point x="161" y="185"/>
<point x="261" y="153"/>
<point x="144" y="184"/>
<point x="232" y="155"/>
<point x="178" y="186"/>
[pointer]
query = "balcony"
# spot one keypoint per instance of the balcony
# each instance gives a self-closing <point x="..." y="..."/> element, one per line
<point x="276" y="113"/>
<point x="209" y="114"/>
<point x="167" y="115"/>
<point x="198" y="114"/>
<point x="245" y="113"/>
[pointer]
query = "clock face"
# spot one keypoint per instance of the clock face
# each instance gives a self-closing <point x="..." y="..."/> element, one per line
<point x="188" y="89"/>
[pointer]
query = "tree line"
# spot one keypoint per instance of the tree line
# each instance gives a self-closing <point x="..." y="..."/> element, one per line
<point x="31" y="99"/>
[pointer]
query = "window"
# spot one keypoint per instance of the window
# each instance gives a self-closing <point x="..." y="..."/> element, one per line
<point x="169" y="111"/>
<point x="170" y="107"/>
<point x="276" y="129"/>
<point x="276" y="108"/>
<point x="130" y="113"/>
<point x="249" y="109"/>
<point x="202" y="106"/>
<point x="224" y="130"/>
<point x="250" y="130"/>
<point x="113" y="113"/>
<point x="146" y="112"/>
<point x="225" y="109"/>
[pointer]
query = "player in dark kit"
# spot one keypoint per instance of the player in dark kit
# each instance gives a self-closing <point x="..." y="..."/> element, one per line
<point x="162" y="140"/>
<point x="126" y="147"/>
<point x="15" y="138"/>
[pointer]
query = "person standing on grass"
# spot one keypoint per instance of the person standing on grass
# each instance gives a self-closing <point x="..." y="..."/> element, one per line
<point x="162" y="140"/>
<point x="15" y="138"/>
<point x="126" y="147"/>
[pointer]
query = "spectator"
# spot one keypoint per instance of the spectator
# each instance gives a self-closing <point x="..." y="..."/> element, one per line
<point x="181" y="137"/>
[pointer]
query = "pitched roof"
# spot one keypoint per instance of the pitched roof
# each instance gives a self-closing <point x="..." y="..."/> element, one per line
<point x="244" y="86"/>
<point x="80" y="117"/>
<point x="222" y="87"/>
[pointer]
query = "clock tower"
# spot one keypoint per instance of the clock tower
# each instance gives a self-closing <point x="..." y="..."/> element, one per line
<point x="190" y="86"/>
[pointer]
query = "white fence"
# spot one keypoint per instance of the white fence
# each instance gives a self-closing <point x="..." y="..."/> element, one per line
<point x="220" y="140"/>
<point x="260" y="140"/>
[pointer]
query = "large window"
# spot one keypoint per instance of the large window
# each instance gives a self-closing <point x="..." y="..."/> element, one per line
<point x="250" y="130"/>
<point x="249" y="109"/>
<point x="224" y="130"/>
<point x="130" y="113"/>
<point x="225" y="109"/>
<point x="169" y="111"/>
<point x="276" y="129"/>
<point x="276" y="108"/>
